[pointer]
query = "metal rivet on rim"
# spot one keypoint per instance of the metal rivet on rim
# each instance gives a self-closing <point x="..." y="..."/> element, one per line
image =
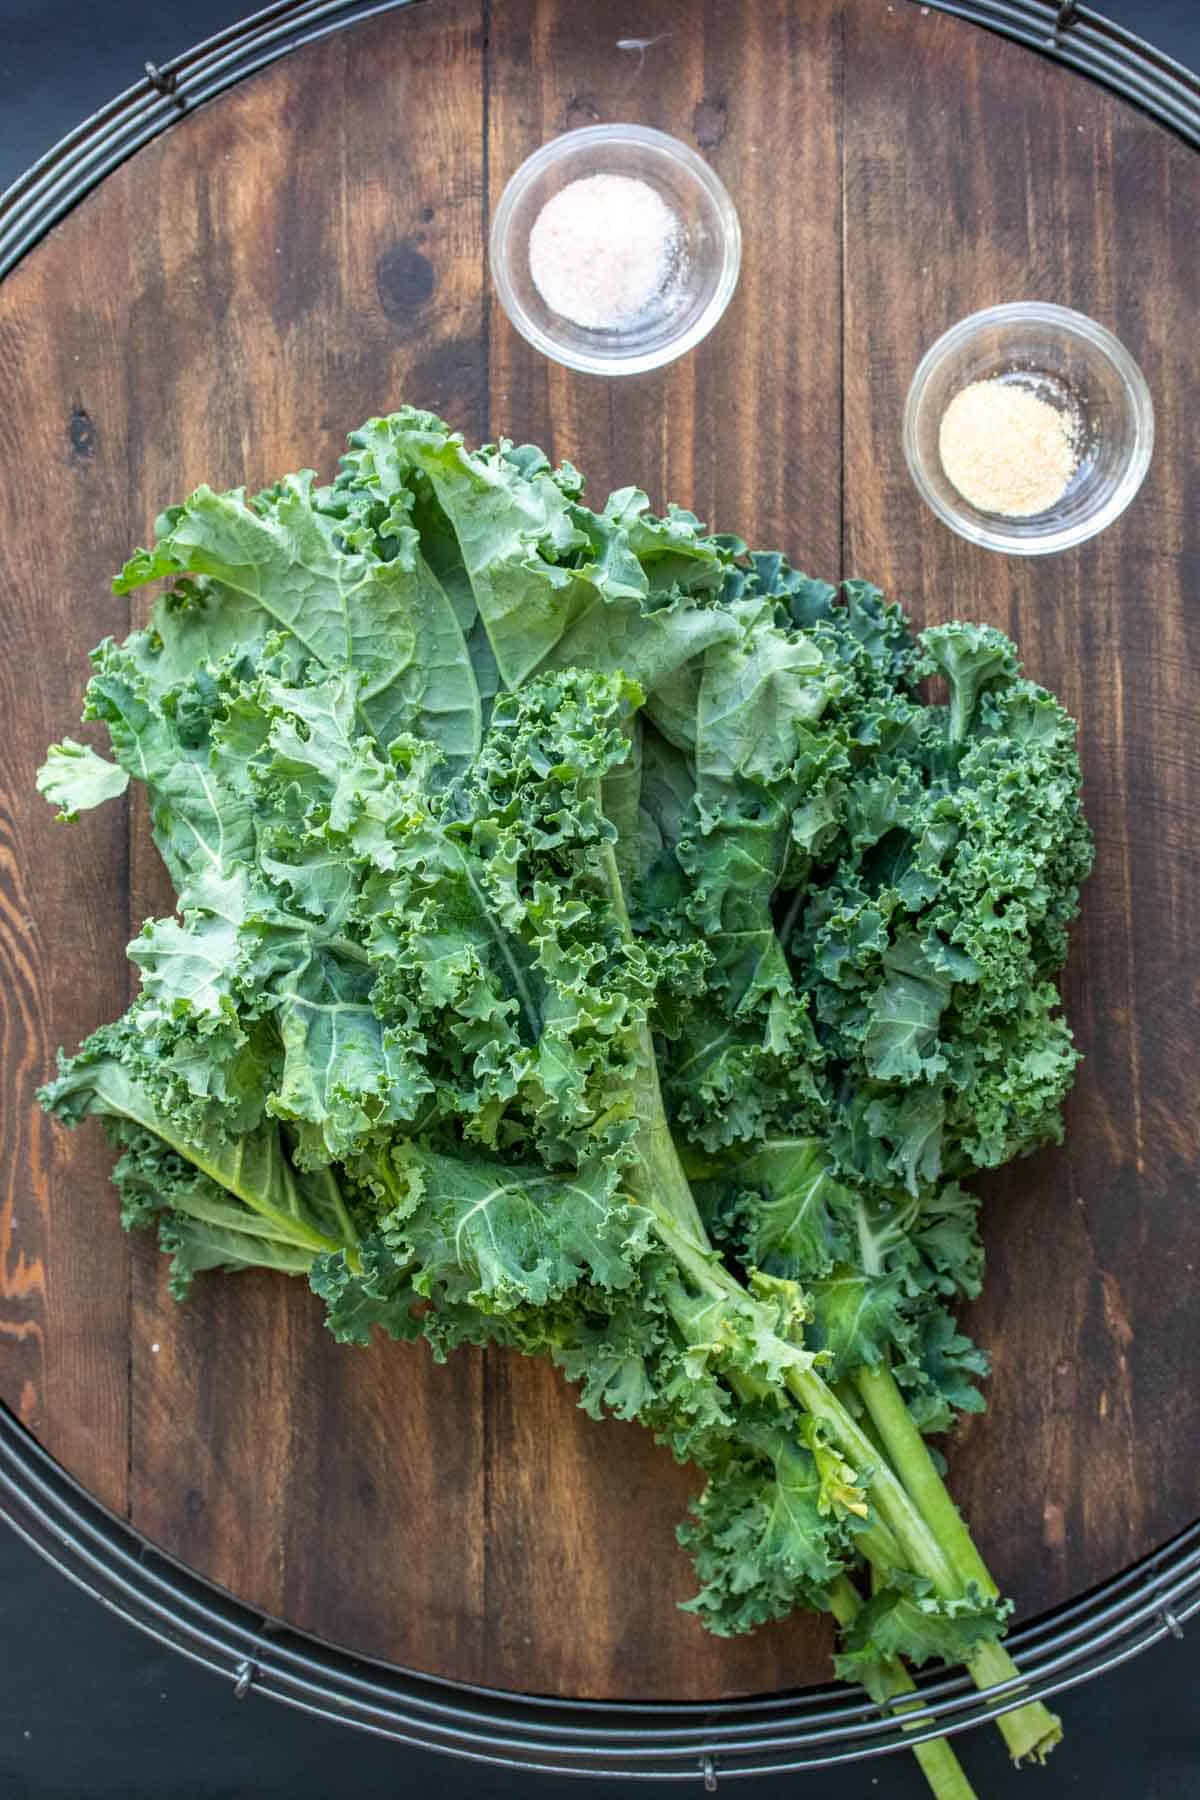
<point x="166" y="85"/>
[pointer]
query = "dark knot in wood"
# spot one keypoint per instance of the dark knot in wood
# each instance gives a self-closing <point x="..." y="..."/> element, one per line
<point x="404" y="279"/>
<point x="81" y="434"/>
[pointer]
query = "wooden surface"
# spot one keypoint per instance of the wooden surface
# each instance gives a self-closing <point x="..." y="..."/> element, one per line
<point x="310" y="250"/>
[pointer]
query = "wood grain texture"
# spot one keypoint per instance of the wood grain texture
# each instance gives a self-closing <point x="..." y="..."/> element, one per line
<point x="310" y="250"/>
<point x="64" y="1272"/>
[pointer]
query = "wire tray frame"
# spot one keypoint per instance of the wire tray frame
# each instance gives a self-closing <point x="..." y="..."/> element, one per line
<point x="1073" y="35"/>
<point x="684" y="1742"/>
<point x="103" y="1555"/>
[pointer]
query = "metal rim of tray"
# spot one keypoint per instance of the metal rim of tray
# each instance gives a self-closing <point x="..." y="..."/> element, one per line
<point x="654" y="1741"/>
<point x="660" y="1740"/>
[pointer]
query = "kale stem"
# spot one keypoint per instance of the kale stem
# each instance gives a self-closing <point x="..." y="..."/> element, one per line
<point x="889" y="1677"/>
<point x="873" y="1539"/>
<point x="918" y="1546"/>
<point x="788" y="923"/>
<point x="918" y="1543"/>
<point x="909" y="1456"/>
<point x="1030" y="1730"/>
<point x="337" y="1204"/>
<point x="487" y="912"/>
<point x="347" y="948"/>
<point x="661" y="1180"/>
<point x="942" y="1770"/>
<point x="658" y="1181"/>
<point x="662" y="1186"/>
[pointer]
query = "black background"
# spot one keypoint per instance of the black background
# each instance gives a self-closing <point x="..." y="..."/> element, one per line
<point x="92" y="1710"/>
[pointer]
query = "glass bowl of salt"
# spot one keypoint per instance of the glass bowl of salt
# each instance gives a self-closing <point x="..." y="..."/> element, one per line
<point x="1028" y="428"/>
<point x="615" y="249"/>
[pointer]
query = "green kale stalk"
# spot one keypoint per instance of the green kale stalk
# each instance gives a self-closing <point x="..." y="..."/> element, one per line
<point x="593" y="939"/>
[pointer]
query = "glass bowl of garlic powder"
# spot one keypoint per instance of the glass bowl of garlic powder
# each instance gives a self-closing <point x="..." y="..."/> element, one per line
<point x="615" y="249"/>
<point x="1028" y="428"/>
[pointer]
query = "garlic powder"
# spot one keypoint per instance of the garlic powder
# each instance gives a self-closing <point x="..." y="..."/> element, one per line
<point x="1006" y="449"/>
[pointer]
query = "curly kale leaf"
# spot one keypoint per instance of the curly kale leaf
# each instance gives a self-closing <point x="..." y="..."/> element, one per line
<point x="388" y="622"/>
<point x="761" y="1539"/>
<point x="906" y="1619"/>
<point x="876" y="1270"/>
<point x="228" y="1203"/>
<point x="541" y="578"/>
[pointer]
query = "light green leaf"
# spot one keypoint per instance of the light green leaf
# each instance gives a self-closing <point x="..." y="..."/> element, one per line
<point x="389" y="622"/>
<point x="970" y="657"/>
<point x="501" y="1236"/>
<point x="344" y="1071"/>
<point x="901" y="1040"/>
<point x="303" y="1209"/>
<point x="755" y="698"/>
<point x="74" y="778"/>
<point x="797" y="1219"/>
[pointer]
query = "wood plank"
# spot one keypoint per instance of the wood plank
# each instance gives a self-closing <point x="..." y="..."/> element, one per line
<point x="976" y="173"/>
<point x="304" y="260"/>
<point x="64" y="1268"/>
<point x="747" y="429"/>
<point x="746" y="432"/>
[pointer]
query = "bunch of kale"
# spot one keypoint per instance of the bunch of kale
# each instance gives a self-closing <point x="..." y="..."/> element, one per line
<point x="593" y="940"/>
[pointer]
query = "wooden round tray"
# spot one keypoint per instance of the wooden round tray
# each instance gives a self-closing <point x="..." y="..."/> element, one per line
<point x="311" y="250"/>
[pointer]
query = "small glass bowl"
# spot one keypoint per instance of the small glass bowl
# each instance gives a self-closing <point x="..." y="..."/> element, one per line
<point x="1067" y="359"/>
<point x="689" y="304"/>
